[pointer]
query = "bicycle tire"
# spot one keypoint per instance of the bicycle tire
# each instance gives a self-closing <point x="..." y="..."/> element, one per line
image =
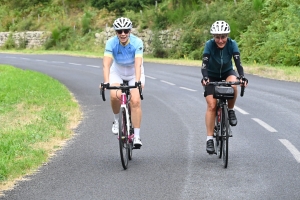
<point x="131" y="132"/>
<point x="225" y="136"/>
<point x="123" y="138"/>
<point x="218" y="145"/>
<point x="219" y="141"/>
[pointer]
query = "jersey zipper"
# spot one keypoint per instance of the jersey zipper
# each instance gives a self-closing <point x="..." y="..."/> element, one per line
<point x="221" y="54"/>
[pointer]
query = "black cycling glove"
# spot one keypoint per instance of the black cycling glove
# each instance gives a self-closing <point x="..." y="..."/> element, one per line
<point x="243" y="79"/>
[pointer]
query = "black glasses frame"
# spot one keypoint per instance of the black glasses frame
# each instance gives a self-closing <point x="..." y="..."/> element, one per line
<point x="126" y="31"/>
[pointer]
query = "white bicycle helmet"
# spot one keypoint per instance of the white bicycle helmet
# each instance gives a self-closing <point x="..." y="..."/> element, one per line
<point x="122" y="23"/>
<point x="220" y="27"/>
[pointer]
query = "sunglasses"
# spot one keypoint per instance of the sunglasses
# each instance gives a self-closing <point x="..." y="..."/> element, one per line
<point x="218" y="37"/>
<point x="126" y="31"/>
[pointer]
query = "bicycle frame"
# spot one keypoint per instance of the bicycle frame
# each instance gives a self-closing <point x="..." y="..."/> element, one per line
<point x="125" y="105"/>
<point x="222" y="130"/>
<point x="125" y="138"/>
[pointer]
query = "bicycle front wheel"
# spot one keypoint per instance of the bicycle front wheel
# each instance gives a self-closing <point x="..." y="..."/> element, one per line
<point x="225" y="136"/>
<point x="123" y="138"/>
<point x="130" y="132"/>
<point x="218" y="134"/>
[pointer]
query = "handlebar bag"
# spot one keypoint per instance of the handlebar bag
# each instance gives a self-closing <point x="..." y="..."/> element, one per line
<point x="223" y="92"/>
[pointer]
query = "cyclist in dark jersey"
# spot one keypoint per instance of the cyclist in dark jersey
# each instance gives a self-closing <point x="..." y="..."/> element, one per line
<point x="217" y="66"/>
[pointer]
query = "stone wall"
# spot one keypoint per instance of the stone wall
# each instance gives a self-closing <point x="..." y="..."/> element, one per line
<point x="167" y="38"/>
<point x="32" y="38"/>
<point x="35" y="39"/>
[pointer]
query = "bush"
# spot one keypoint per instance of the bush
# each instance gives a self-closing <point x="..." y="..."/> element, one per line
<point x="120" y="6"/>
<point x="273" y="41"/>
<point x="197" y="54"/>
<point x="86" y="22"/>
<point x="158" y="50"/>
<point x="160" y="53"/>
<point x="10" y="42"/>
<point x="22" y="43"/>
<point x="61" y="38"/>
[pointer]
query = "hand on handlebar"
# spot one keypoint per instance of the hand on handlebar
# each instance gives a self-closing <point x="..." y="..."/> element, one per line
<point x="138" y="84"/>
<point x="244" y="81"/>
<point x="204" y="81"/>
<point x="103" y="86"/>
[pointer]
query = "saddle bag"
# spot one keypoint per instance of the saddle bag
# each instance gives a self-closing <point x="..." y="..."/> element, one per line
<point x="223" y="92"/>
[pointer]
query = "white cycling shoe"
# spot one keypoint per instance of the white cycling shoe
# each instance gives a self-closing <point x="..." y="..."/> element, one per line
<point x="115" y="127"/>
<point x="137" y="143"/>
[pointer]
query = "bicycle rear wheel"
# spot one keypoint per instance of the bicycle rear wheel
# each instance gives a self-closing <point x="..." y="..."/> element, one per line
<point x="123" y="138"/>
<point x="225" y="136"/>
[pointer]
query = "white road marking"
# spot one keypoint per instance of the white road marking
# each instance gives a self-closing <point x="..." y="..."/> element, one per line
<point x="41" y="60"/>
<point x="93" y="66"/>
<point x="291" y="148"/>
<point x="150" y="77"/>
<point x="184" y="88"/>
<point x="57" y="62"/>
<point x="74" y="64"/>
<point x="240" y="110"/>
<point x="167" y="82"/>
<point x="265" y="125"/>
<point x="25" y="58"/>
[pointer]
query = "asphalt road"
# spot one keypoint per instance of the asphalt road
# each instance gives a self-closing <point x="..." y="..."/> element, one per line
<point x="264" y="157"/>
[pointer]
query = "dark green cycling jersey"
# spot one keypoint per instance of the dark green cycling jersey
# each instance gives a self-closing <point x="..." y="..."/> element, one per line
<point x="217" y="62"/>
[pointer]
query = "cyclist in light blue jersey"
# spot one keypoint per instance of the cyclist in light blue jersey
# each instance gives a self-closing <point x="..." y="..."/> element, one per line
<point x="123" y="60"/>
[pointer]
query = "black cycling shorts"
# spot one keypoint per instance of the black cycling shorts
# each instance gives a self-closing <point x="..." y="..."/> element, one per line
<point x="209" y="90"/>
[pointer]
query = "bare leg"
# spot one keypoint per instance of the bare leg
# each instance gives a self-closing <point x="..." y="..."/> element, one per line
<point x="115" y="100"/>
<point x="210" y="114"/>
<point x="136" y="110"/>
<point x="231" y="102"/>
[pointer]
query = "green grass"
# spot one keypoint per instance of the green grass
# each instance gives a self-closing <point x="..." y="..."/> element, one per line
<point x="37" y="113"/>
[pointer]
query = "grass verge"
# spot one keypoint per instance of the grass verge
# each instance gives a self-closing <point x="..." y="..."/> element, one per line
<point x="37" y="114"/>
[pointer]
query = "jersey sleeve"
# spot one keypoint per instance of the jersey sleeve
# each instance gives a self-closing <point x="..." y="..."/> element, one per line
<point x="109" y="48"/>
<point x="207" y="48"/>
<point x="235" y="48"/>
<point x="139" y="48"/>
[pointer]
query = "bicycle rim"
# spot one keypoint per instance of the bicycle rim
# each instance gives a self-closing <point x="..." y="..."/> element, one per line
<point x="123" y="138"/>
<point x="218" y="143"/>
<point x="131" y="132"/>
<point x="225" y="138"/>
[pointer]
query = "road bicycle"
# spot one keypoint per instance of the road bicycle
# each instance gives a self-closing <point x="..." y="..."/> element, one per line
<point x="222" y="131"/>
<point x="126" y="133"/>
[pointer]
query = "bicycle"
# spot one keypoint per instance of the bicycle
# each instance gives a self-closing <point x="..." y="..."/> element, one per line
<point x="222" y="131"/>
<point x="126" y="133"/>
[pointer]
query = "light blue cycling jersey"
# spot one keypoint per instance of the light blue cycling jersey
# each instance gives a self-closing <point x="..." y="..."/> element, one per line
<point x="124" y="56"/>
